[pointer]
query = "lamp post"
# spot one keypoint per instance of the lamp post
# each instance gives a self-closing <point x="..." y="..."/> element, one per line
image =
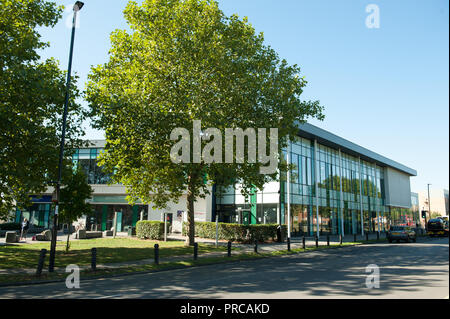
<point x="429" y="202"/>
<point x="77" y="7"/>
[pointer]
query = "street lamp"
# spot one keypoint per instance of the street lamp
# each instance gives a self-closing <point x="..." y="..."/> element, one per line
<point x="77" y="7"/>
<point x="429" y="202"/>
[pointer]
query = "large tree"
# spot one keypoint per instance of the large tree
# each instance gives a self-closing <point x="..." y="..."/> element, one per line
<point x="74" y="199"/>
<point x="31" y="103"/>
<point x="182" y="61"/>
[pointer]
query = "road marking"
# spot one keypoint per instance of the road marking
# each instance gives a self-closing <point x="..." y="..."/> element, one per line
<point x="104" y="297"/>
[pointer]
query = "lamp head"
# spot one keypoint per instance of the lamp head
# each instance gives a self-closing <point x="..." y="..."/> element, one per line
<point x="78" y="5"/>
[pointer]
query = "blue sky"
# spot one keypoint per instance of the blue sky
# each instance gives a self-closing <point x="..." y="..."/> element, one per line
<point x="385" y="89"/>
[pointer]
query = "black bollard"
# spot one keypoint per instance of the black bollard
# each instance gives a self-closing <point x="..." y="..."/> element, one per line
<point x="317" y="241"/>
<point x="195" y="251"/>
<point x="378" y="235"/>
<point x="289" y="244"/>
<point x="328" y="240"/>
<point x="304" y="243"/>
<point x="367" y="236"/>
<point x="256" y="246"/>
<point x="94" y="259"/>
<point x="354" y="237"/>
<point x="156" y="254"/>
<point x="41" y="262"/>
<point x="229" y="249"/>
<point x="340" y="239"/>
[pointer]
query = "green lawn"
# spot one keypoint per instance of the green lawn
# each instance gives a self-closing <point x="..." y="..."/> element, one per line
<point x="109" y="250"/>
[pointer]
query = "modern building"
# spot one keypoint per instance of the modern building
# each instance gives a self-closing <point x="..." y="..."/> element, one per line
<point x="337" y="187"/>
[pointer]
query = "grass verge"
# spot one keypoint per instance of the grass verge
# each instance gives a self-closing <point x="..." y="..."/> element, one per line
<point x="109" y="250"/>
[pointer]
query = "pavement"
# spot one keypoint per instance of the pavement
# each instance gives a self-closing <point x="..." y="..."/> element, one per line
<point x="406" y="270"/>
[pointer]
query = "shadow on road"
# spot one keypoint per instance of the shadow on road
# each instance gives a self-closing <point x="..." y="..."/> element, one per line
<point x="403" y="268"/>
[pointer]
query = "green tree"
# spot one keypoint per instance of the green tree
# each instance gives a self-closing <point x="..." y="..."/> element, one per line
<point x="74" y="198"/>
<point x="31" y="103"/>
<point x="186" y="61"/>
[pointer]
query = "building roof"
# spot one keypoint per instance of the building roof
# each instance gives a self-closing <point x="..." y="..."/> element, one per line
<point x="329" y="139"/>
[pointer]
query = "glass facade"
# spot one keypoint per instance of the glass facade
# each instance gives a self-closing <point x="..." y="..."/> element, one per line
<point x="39" y="215"/>
<point x="103" y="207"/>
<point x="102" y="217"/>
<point x="331" y="192"/>
<point x="349" y="191"/>
<point x="87" y="159"/>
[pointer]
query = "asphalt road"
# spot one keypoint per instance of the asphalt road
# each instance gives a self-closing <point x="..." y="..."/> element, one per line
<point x="419" y="270"/>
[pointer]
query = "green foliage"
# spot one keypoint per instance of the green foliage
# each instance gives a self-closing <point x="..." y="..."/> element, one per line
<point x="31" y="103"/>
<point x="238" y="232"/>
<point x="148" y="229"/>
<point x="74" y="196"/>
<point x="185" y="60"/>
<point x="10" y="226"/>
<point x="435" y="215"/>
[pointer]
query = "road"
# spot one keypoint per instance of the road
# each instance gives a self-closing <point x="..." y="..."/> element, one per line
<point x="419" y="270"/>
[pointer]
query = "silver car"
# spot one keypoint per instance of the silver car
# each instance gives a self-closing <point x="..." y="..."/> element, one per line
<point x="404" y="233"/>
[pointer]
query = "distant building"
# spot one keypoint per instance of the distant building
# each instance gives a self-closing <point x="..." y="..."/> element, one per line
<point x="439" y="200"/>
<point x="415" y="210"/>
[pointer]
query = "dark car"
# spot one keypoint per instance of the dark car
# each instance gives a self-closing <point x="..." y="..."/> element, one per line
<point x="399" y="233"/>
<point x="437" y="227"/>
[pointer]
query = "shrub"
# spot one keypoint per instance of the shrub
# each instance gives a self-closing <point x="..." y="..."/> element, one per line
<point x="148" y="229"/>
<point x="238" y="232"/>
<point x="10" y="226"/>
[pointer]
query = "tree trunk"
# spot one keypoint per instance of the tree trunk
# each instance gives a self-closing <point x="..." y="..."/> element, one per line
<point x="191" y="193"/>
<point x="68" y="237"/>
<point x="190" y="238"/>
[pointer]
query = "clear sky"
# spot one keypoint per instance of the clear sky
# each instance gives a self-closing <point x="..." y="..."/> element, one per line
<point x="384" y="88"/>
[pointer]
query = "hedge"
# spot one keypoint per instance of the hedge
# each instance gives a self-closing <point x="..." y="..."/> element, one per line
<point x="238" y="232"/>
<point x="149" y="229"/>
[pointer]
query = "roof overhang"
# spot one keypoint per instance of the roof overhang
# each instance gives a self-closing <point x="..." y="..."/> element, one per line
<point x="326" y="138"/>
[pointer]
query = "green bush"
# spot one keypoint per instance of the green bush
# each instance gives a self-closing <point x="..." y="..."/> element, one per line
<point x="148" y="229"/>
<point x="238" y="232"/>
<point x="10" y="226"/>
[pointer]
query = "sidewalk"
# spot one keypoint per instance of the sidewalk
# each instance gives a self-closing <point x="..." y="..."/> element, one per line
<point x="296" y="242"/>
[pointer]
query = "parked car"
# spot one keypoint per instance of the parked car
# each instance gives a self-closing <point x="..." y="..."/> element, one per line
<point x="398" y="233"/>
<point x="437" y="227"/>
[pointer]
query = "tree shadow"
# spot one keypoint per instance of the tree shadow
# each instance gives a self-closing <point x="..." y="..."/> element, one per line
<point x="26" y="258"/>
<point x="336" y="272"/>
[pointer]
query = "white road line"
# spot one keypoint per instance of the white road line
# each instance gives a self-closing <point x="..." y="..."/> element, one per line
<point x="104" y="297"/>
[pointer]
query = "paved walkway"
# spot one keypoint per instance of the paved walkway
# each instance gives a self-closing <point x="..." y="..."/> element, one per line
<point x="296" y="242"/>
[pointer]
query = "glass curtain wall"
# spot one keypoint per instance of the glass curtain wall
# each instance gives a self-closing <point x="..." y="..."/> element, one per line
<point x="331" y="172"/>
<point x="302" y="188"/>
<point x="86" y="158"/>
